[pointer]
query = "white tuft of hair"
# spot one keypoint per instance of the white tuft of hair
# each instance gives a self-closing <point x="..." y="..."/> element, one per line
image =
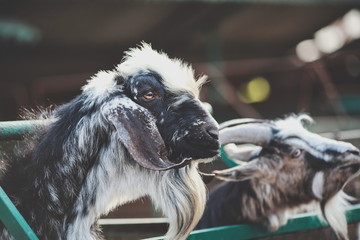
<point x="334" y="213"/>
<point x="182" y="196"/>
<point x="177" y="75"/>
<point x="294" y="123"/>
<point x="100" y="85"/>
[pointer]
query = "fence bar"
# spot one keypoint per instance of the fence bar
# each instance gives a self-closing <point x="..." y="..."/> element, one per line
<point x="14" y="130"/>
<point x="300" y="222"/>
<point x="13" y="220"/>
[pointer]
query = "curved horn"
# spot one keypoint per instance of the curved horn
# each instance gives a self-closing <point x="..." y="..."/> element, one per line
<point x="241" y="154"/>
<point x="258" y="132"/>
<point x="240" y="121"/>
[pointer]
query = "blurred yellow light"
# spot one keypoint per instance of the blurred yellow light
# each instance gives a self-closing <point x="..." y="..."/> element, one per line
<point x="256" y="90"/>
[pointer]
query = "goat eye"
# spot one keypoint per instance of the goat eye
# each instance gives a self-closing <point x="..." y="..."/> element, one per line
<point x="149" y="95"/>
<point x="296" y="153"/>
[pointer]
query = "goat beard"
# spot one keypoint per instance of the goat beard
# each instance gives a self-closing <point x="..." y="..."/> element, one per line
<point x="181" y="195"/>
<point x="333" y="210"/>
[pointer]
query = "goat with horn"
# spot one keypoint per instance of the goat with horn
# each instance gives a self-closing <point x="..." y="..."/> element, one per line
<point x="138" y="130"/>
<point x="285" y="169"/>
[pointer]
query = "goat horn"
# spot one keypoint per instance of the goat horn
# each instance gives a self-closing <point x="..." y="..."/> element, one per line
<point x="240" y="131"/>
<point x="241" y="154"/>
<point x="235" y="122"/>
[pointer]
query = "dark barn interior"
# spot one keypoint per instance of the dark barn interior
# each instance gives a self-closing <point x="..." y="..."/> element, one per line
<point x="259" y="56"/>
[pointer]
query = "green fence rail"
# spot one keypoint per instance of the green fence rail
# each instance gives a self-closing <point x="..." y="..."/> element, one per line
<point x="301" y="222"/>
<point x="13" y="221"/>
<point x="9" y="215"/>
<point x="14" y="130"/>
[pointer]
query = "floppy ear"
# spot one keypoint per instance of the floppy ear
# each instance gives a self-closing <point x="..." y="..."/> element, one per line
<point x="138" y="132"/>
<point x="242" y="172"/>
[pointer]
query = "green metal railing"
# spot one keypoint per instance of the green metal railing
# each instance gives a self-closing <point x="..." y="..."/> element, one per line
<point x="9" y="215"/>
<point x="18" y="227"/>
<point x="300" y="222"/>
<point x="14" y="130"/>
<point x="13" y="220"/>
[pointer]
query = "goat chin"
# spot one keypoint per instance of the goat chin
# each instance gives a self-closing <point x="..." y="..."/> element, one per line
<point x="181" y="195"/>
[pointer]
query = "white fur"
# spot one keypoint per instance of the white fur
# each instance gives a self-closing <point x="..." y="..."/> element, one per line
<point x="101" y="84"/>
<point x="334" y="212"/>
<point x="314" y="143"/>
<point x="177" y="75"/>
<point x="318" y="185"/>
<point x="182" y="200"/>
<point x="188" y="192"/>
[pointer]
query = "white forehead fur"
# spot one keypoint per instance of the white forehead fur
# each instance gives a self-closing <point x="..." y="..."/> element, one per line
<point x="293" y="126"/>
<point x="177" y="75"/>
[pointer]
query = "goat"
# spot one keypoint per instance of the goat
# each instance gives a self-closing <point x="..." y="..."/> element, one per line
<point x="288" y="168"/>
<point x="138" y="130"/>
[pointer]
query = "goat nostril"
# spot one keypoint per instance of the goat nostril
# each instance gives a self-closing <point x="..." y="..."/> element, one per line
<point x="355" y="152"/>
<point x="213" y="132"/>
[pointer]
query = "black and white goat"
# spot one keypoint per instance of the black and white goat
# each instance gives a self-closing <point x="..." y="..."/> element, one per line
<point x="135" y="131"/>
<point x="288" y="168"/>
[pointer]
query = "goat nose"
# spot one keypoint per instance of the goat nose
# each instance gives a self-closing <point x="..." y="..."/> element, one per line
<point x="212" y="130"/>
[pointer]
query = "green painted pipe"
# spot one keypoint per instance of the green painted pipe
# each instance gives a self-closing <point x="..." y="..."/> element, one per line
<point x="301" y="222"/>
<point x="14" y="130"/>
<point x="13" y="221"/>
<point x="9" y="215"/>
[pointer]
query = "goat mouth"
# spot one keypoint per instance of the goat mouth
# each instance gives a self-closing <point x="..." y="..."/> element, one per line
<point x="184" y="162"/>
<point x="354" y="167"/>
<point x="211" y="148"/>
<point x="206" y="153"/>
<point x="187" y="151"/>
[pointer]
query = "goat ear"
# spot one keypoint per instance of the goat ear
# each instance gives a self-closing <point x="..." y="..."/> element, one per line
<point x="138" y="132"/>
<point x="243" y="172"/>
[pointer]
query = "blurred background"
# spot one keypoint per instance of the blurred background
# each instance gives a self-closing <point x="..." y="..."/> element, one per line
<point x="264" y="58"/>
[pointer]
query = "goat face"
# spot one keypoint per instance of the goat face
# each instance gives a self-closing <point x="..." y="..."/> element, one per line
<point x="292" y="165"/>
<point x="286" y="146"/>
<point x="158" y="96"/>
<point x="331" y="163"/>
<point x="289" y="162"/>
<point x="150" y="104"/>
<point x="188" y="131"/>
